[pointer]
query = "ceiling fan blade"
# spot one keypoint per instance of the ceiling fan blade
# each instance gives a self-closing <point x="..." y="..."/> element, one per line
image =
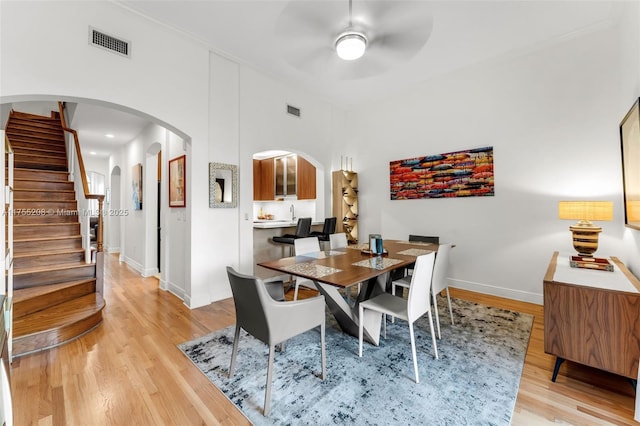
<point x="312" y="19"/>
<point x="404" y="44"/>
<point x="395" y="15"/>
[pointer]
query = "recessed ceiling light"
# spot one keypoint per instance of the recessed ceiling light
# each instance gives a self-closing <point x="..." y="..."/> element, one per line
<point x="93" y="153"/>
<point x="110" y="135"/>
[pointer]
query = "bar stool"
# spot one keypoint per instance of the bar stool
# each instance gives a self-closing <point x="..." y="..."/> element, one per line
<point x="328" y="228"/>
<point x="303" y="228"/>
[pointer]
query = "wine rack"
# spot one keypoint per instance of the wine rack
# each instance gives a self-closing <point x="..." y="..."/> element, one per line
<point x="345" y="203"/>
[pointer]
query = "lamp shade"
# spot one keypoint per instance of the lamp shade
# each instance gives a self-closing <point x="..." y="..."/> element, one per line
<point x="351" y="45"/>
<point x="585" y="210"/>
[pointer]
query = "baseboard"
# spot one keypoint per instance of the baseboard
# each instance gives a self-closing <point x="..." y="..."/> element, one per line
<point x="133" y="264"/>
<point x="111" y="250"/>
<point x="523" y="296"/>
<point x="174" y="289"/>
<point x="149" y="272"/>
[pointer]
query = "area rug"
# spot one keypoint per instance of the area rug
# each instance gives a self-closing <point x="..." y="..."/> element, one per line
<point x="475" y="381"/>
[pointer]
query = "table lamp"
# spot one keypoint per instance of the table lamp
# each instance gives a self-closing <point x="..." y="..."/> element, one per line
<point x="585" y="233"/>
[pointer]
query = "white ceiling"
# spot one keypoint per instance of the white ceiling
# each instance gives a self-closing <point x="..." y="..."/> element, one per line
<point x="463" y="33"/>
<point x="264" y="35"/>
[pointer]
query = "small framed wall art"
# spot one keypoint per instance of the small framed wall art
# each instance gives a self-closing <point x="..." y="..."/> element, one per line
<point x="177" y="182"/>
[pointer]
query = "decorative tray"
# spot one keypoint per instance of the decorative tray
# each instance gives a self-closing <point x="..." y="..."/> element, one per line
<point x="598" y="263"/>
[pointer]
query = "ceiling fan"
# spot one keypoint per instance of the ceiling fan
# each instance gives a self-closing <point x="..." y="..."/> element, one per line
<point x="386" y="32"/>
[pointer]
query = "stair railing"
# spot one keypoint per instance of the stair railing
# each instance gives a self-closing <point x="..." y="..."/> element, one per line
<point x="85" y="185"/>
<point x="7" y="306"/>
<point x="88" y="195"/>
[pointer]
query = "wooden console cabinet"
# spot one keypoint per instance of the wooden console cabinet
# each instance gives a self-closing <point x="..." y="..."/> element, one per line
<point x="592" y="317"/>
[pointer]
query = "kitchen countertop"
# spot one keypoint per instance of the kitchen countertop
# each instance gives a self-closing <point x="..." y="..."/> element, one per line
<point x="275" y="223"/>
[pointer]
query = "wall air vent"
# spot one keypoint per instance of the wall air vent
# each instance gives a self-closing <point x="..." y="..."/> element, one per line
<point x="293" y="110"/>
<point x="112" y="44"/>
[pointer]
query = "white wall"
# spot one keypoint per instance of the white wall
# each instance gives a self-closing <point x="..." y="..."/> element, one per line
<point x="552" y="117"/>
<point x="175" y="239"/>
<point x="264" y="125"/>
<point x="114" y="217"/>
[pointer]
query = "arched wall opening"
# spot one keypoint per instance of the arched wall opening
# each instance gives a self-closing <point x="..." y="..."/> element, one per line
<point x="129" y="232"/>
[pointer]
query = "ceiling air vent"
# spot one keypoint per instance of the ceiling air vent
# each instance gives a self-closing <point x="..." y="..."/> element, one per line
<point x="293" y="110"/>
<point x="105" y="41"/>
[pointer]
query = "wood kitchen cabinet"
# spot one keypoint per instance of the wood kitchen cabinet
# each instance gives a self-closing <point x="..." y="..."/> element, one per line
<point x="265" y="182"/>
<point x="306" y="180"/>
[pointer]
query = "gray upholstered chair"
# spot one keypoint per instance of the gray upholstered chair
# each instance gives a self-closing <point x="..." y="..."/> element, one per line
<point x="272" y="322"/>
<point x="409" y="310"/>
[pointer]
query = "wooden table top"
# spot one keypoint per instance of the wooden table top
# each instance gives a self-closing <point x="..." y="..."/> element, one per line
<point x="347" y="267"/>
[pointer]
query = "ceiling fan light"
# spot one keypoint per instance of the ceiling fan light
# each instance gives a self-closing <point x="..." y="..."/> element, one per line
<point x="351" y="45"/>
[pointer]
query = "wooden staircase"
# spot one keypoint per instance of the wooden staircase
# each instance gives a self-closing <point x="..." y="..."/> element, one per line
<point x="55" y="298"/>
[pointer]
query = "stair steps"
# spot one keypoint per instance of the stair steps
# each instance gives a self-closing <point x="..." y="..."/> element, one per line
<point x="30" y="300"/>
<point x="43" y="275"/>
<point x="37" y="259"/>
<point x="45" y="230"/>
<point x="43" y="185"/>
<point x="50" y="243"/>
<point x="56" y="325"/>
<point x="42" y="175"/>
<point x="22" y="194"/>
<point x="55" y="298"/>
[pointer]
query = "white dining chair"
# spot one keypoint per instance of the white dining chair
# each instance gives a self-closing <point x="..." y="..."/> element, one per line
<point x="409" y="310"/>
<point x="304" y="246"/>
<point x="439" y="281"/>
<point x="338" y="240"/>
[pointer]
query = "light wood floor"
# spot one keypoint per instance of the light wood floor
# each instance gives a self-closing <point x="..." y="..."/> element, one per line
<point x="130" y="372"/>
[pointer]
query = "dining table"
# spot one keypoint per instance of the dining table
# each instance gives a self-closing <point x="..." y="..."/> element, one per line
<point x="336" y="269"/>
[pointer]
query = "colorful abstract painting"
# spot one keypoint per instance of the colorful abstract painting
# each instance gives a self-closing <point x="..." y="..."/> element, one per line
<point x="455" y="174"/>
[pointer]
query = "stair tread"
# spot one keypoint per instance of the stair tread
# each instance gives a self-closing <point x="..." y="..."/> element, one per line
<point x="58" y="316"/>
<point x="54" y="191"/>
<point x="52" y="268"/>
<point x="63" y="237"/>
<point x="29" y="170"/>
<point x="39" y="200"/>
<point x="23" y="294"/>
<point x="47" y="252"/>
<point x="23" y="225"/>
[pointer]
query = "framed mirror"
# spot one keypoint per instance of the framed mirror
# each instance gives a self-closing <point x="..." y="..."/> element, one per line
<point x="223" y="185"/>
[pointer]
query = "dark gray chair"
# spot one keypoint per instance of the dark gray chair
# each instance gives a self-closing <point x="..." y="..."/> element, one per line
<point x="420" y="239"/>
<point x="272" y="322"/>
<point x="424" y="239"/>
<point x="303" y="229"/>
<point x="328" y="228"/>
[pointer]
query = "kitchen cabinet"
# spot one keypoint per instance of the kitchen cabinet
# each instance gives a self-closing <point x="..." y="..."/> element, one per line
<point x="286" y="176"/>
<point x="263" y="179"/>
<point x="306" y="180"/>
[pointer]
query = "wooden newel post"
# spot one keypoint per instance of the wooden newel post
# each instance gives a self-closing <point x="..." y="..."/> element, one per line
<point x="100" y="222"/>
